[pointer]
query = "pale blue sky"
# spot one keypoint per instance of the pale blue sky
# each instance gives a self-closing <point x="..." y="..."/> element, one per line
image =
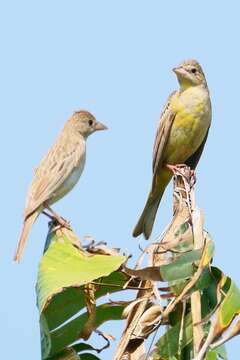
<point x="113" y="58"/>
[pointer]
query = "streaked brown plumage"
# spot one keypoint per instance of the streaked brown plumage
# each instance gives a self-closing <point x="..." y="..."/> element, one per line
<point x="58" y="171"/>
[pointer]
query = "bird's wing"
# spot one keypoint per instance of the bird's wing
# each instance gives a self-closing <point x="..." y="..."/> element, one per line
<point x="53" y="170"/>
<point x="163" y="131"/>
<point x="192" y="161"/>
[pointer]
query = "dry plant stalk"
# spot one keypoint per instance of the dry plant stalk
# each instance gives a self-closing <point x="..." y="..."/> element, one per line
<point x="161" y="253"/>
<point x="181" y="185"/>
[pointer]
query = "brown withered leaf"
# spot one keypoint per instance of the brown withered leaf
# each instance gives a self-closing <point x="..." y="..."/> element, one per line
<point x="149" y="319"/>
<point x="102" y="249"/>
<point x="174" y="239"/>
<point x="151" y="273"/>
<point x="198" y="235"/>
<point x="130" y="307"/>
<point x="89" y="296"/>
<point x="130" y="345"/>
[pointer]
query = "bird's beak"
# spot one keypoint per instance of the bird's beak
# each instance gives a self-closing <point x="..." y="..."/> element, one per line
<point x="180" y="71"/>
<point x="100" y="126"/>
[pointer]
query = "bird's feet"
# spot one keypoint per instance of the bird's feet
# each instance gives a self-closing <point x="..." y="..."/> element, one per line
<point x="62" y="222"/>
<point x="186" y="172"/>
<point x="177" y="168"/>
<point x="57" y="218"/>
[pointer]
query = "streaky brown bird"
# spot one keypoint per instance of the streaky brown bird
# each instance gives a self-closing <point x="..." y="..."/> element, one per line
<point x="58" y="172"/>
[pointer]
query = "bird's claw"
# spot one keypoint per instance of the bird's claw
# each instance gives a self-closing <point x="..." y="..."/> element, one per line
<point x="57" y="220"/>
<point x="186" y="172"/>
<point x="63" y="223"/>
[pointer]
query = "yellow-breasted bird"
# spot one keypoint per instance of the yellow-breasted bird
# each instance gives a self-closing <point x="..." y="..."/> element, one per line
<point x="181" y="135"/>
<point x="58" y="172"/>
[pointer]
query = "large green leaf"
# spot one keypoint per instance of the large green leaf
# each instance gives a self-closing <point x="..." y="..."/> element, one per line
<point x="64" y="265"/>
<point x="70" y="301"/>
<point x="70" y="332"/>
<point x="64" y="272"/>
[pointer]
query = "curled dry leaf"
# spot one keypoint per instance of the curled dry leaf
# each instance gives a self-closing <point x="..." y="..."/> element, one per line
<point x="148" y="320"/>
<point x="151" y="273"/>
<point x="89" y="296"/>
<point x="177" y="238"/>
<point x="104" y="250"/>
<point x="130" y="345"/>
<point x="132" y="304"/>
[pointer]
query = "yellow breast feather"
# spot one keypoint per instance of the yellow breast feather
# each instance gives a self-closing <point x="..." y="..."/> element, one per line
<point x="192" y="120"/>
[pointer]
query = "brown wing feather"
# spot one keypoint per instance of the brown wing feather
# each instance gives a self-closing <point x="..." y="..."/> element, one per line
<point x="53" y="170"/>
<point x="146" y="220"/>
<point x="193" y="160"/>
<point x="162" y="135"/>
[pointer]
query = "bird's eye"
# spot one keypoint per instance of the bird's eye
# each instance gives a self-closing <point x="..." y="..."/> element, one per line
<point x="90" y="122"/>
<point x="193" y="70"/>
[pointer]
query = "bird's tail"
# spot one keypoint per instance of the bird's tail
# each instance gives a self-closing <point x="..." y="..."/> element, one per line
<point x="146" y="221"/>
<point x="27" y="225"/>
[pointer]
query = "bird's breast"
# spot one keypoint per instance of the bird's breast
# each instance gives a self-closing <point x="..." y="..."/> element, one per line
<point x="70" y="181"/>
<point x="73" y="178"/>
<point x="194" y="101"/>
<point x="192" y="120"/>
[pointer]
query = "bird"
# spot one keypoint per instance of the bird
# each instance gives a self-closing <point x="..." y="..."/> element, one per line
<point x="181" y="135"/>
<point x="58" y="172"/>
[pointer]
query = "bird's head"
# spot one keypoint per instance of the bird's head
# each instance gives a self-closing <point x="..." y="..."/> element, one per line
<point x="85" y="123"/>
<point x="190" y="73"/>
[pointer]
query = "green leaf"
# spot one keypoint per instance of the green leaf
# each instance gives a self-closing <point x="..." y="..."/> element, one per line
<point x="182" y="229"/>
<point x="69" y="333"/>
<point x="209" y="299"/>
<point x="89" y="357"/>
<point x="230" y="306"/>
<point x="182" y="268"/>
<point x="45" y="337"/>
<point x="82" y="347"/>
<point x="184" y="232"/>
<point x="219" y="352"/>
<point x="211" y="355"/>
<point x="63" y="270"/>
<point x="168" y="344"/>
<point x="205" y="280"/>
<point x="70" y="301"/>
<point x="63" y="265"/>
<point x="66" y="354"/>
<point x="228" y="309"/>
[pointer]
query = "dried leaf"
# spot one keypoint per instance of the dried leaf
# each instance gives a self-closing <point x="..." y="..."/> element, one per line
<point x="129" y="308"/>
<point x="148" y="273"/>
<point x="178" y="236"/>
<point x="148" y="320"/>
<point x="89" y="296"/>
<point x="129" y="343"/>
